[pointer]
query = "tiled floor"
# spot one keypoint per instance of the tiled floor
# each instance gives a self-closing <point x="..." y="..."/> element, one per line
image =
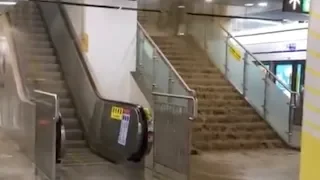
<point x="248" y="165"/>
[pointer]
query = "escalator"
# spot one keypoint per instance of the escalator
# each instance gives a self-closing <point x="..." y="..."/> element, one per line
<point x="95" y="131"/>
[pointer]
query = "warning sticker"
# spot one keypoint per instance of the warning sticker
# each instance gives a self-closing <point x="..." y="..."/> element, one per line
<point x="236" y="53"/>
<point x="122" y="138"/>
<point x="116" y="113"/>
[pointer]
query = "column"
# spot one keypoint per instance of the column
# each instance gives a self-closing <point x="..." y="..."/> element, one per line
<point x="310" y="145"/>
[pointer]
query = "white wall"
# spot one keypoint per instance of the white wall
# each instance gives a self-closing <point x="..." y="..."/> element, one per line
<point x="112" y="47"/>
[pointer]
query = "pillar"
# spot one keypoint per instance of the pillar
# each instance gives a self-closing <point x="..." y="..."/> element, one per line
<point x="310" y="144"/>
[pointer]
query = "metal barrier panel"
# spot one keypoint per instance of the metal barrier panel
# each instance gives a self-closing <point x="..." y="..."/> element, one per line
<point x="45" y="140"/>
<point x="172" y="137"/>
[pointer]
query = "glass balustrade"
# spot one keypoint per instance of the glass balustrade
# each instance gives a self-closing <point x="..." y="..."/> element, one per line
<point x="259" y="86"/>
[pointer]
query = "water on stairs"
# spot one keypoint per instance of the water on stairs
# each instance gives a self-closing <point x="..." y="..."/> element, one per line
<point x="226" y="121"/>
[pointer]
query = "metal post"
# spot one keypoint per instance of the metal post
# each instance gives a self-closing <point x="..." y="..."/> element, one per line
<point x="265" y="98"/>
<point x="154" y="72"/>
<point x="245" y="63"/>
<point x="170" y="85"/>
<point x="292" y="110"/>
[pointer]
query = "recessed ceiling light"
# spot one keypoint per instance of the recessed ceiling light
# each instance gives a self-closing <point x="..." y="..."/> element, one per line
<point x="263" y="4"/>
<point x="249" y="4"/>
<point x="208" y="1"/>
<point x="7" y="3"/>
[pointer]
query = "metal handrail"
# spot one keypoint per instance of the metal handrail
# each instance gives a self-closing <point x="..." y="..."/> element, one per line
<point x="56" y="99"/>
<point x="191" y="91"/>
<point x="260" y="63"/>
<point x="195" y="104"/>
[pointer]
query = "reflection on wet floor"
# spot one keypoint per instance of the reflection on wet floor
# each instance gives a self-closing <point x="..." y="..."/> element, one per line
<point x="15" y="166"/>
<point x="246" y="165"/>
<point x="278" y="164"/>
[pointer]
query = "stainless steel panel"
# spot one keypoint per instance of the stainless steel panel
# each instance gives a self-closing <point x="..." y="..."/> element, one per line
<point x="172" y="130"/>
<point x="45" y="141"/>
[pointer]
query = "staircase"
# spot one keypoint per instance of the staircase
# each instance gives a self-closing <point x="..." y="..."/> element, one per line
<point x="226" y="121"/>
<point x="44" y="73"/>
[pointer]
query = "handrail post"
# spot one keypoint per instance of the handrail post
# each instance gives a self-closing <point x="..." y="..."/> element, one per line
<point x="245" y="64"/>
<point x="154" y="72"/>
<point x="265" y="97"/>
<point x="292" y="110"/>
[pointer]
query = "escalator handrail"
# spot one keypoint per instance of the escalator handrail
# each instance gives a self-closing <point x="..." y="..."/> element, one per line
<point x="82" y="58"/>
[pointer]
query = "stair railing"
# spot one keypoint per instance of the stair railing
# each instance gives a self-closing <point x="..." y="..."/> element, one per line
<point x="269" y="95"/>
<point x="161" y="81"/>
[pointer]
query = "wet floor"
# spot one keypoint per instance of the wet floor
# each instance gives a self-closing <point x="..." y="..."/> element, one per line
<point x="16" y="166"/>
<point x="276" y="164"/>
<point x="248" y="165"/>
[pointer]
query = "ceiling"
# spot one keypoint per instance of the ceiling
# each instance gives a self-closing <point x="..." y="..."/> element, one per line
<point x="273" y="10"/>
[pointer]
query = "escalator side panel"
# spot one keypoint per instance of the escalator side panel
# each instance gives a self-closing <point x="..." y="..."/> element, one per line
<point x="82" y="92"/>
<point x="112" y="129"/>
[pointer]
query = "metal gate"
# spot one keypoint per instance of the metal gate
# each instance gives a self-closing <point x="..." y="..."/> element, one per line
<point x="172" y="132"/>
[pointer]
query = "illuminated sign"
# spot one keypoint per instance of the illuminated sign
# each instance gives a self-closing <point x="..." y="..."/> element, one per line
<point x="297" y="6"/>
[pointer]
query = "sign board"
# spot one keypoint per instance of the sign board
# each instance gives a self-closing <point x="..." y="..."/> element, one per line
<point x="236" y="53"/>
<point x="84" y="42"/>
<point x="116" y="113"/>
<point x="297" y="6"/>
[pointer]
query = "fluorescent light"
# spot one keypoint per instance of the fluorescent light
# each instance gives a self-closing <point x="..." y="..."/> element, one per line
<point x="249" y="4"/>
<point x="208" y="1"/>
<point x="7" y="3"/>
<point x="263" y="4"/>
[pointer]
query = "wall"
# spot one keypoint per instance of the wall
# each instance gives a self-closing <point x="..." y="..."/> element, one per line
<point x="111" y="47"/>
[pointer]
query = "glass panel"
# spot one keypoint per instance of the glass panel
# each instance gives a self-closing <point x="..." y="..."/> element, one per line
<point x="161" y="75"/>
<point x="235" y="65"/>
<point x="284" y="74"/>
<point x="255" y="86"/>
<point x="147" y="63"/>
<point x="277" y="106"/>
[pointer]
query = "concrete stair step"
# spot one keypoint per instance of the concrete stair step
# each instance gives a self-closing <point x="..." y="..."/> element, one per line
<point x="201" y="75"/>
<point x="236" y="126"/>
<point x="236" y="135"/>
<point x="41" y="51"/>
<point x="40" y="44"/>
<point x="76" y="144"/>
<point x="206" y="103"/>
<point x="203" y="88"/>
<point x="68" y="112"/>
<point x="238" y="144"/>
<point x="71" y="123"/>
<point x="45" y="75"/>
<point x="50" y="59"/>
<point x="229" y="118"/>
<point x="47" y="83"/>
<point x="203" y="81"/>
<point x="219" y="95"/>
<point x="74" y="134"/>
<point x="196" y="69"/>
<point x="226" y="110"/>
